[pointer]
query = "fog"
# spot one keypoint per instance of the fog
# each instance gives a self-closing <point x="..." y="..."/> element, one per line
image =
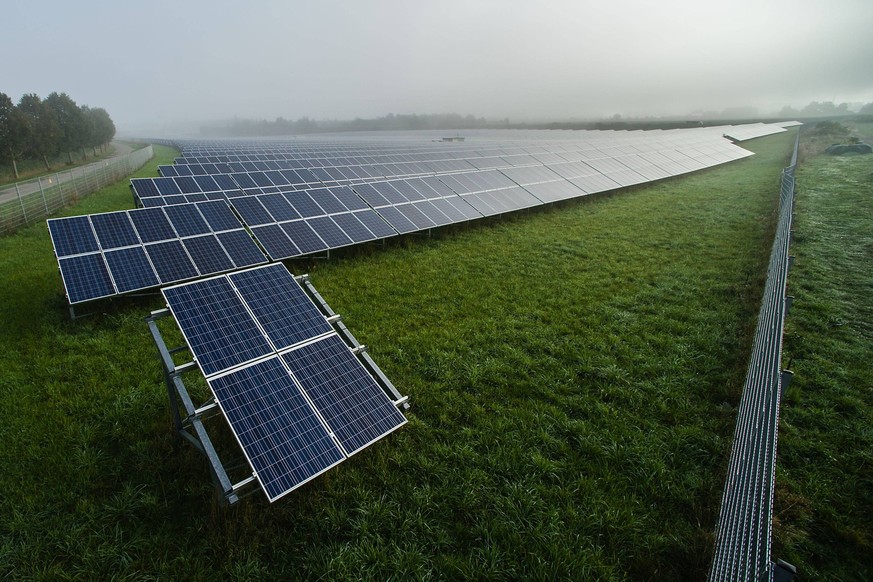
<point x="160" y="66"/>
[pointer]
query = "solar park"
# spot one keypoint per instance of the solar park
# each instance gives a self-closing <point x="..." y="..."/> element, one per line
<point x="297" y="390"/>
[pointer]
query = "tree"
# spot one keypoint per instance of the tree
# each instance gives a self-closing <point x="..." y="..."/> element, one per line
<point x="14" y="132"/>
<point x="70" y="120"/>
<point x="45" y="132"/>
<point x="867" y="109"/>
<point x="104" y="128"/>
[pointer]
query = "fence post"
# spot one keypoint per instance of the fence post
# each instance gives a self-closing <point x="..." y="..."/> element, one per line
<point x="73" y="182"/>
<point x="21" y="203"/>
<point x="60" y="189"/>
<point x="42" y="192"/>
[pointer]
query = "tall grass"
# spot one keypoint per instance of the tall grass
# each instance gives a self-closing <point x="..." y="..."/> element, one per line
<point x="573" y="373"/>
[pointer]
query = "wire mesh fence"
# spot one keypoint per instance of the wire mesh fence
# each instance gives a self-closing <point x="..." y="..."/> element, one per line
<point x="26" y="202"/>
<point x="744" y="530"/>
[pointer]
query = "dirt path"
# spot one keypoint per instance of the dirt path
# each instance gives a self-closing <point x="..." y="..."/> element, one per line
<point x="32" y="185"/>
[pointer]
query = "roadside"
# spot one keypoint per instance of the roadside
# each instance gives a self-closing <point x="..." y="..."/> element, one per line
<point x="32" y="185"/>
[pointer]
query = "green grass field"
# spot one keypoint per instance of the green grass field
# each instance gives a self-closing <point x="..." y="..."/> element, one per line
<point x="573" y="373"/>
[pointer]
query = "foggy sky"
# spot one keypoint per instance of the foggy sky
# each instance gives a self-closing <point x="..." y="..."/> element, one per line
<point x="156" y="64"/>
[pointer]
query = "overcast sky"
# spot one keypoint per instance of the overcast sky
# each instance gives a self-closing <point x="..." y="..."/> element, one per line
<point x="160" y="63"/>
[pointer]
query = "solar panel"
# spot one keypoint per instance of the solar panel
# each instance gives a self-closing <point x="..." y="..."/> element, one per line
<point x="208" y="254"/>
<point x="85" y="277"/>
<point x="304" y="237"/>
<point x="186" y="219"/>
<point x="329" y="232"/>
<point x="279" y="304"/>
<point x="351" y="403"/>
<point x="241" y="248"/>
<point x="216" y="324"/>
<point x="114" y="230"/>
<point x="131" y="269"/>
<point x="171" y="261"/>
<point x="72" y="236"/>
<point x="279" y="432"/>
<point x="152" y="225"/>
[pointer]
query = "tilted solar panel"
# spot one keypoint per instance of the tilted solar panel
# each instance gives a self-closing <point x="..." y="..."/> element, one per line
<point x="284" y="311"/>
<point x="216" y="324"/>
<point x="276" y="427"/>
<point x="351" y="403"/>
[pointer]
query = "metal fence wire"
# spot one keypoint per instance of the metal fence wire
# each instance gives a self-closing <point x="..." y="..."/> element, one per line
<point x="744" y="530"/>
<point x="30" y="201"/>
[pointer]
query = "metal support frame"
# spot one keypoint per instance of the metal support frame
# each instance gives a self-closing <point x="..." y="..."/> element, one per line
<point x="188" y="419"/>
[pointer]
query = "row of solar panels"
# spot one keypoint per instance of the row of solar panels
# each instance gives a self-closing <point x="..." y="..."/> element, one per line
<point x="115" y="253"/>
<point x="254" y="150"/>
<point x="553" y="153"/>
<point x="295" y="396"/>
<point x="101" y="255"/>
<point x="193" y="188"/>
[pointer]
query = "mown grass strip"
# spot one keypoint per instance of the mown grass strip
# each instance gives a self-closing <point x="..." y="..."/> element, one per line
<point x="573" y="372"/>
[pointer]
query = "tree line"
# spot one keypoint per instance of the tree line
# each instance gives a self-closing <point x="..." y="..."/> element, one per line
<point x="39" y="129"/>
<point x="281" y="126"/>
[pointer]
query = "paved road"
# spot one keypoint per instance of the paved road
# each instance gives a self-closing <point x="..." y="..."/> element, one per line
<point x="10" y="193"/>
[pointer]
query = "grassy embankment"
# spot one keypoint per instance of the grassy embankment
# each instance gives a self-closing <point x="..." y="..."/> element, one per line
<point x="573" y="374"/>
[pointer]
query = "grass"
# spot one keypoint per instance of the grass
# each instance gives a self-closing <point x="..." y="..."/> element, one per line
<point x="824" y="497"/>
<point x="574" y="374"/>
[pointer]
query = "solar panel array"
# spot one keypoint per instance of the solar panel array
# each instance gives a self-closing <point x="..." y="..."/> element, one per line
<point x="296" y="397"/>
<point x="300" y="198"/>
<point x="101" y="255"/>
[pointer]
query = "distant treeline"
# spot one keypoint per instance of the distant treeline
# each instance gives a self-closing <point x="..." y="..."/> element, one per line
<point x="39" y="129"/>
<point x="453" y="121"/>
<point x="281" y="126"/>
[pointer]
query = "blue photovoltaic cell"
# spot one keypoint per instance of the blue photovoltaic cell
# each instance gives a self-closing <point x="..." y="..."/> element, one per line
<point x="353" y="227"/>
<point x="72" y="236"/>
<point x="152" y="224"/>
<point x="187" y="184"/>
<point x="171" y="261"/>
<point x="374" y="222"/>
<point x="252" y="211"/>
<point x="144" y="187"/>
<point x="415" y="216"/>
<point x="280" y="305"/>
<point x="282" y="437"/>
<point x="241" y="248"/>
<point x="396" y="219"/>
<point x="278" y="207"/>
<point x="329" y="232"/>
<point x="219" y="215"/>
<point x="206" y="183"/>
<point x="167" y="186"/>
<point x="220" y="331"/>
<point x="344" y="392"/>
<point x="327" y="201"/>
<point x="275" y="241"/>
<point x="131" y="269"/>
<point x="304" y="204"/>
<point x="208" y="254"/>
<point x="304" y="237"/>
<point x="187" y="220"/>
<point x="349" y="199"/>
<point x="85" y="277"/>
<point x="114" y="230"/>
